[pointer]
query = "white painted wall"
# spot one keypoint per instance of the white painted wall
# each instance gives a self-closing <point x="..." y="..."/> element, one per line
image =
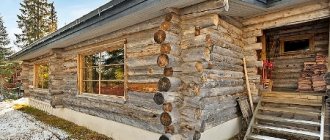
<point x="119" y="131"/>
<point x="224" y="131"/>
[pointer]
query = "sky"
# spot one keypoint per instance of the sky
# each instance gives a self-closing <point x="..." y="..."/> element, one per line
<point x="67" y="11"/>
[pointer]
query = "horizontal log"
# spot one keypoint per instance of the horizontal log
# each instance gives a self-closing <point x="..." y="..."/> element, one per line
<point x="145" y="70"/>
<point x="228" y="45"/>
<point x="225" y="66"/>
<point x="219" y="91"/>
<point x="230" y="27"/>
<point x="255" y="46"/>
<point x="196" y="54"/>
<point x="202" y="22"/>
<point x="226" y="59"/>
<point x="222" y="83"/>
<point x="134" y="99"/>
<point x="200" y="7"/>
<point x="283" y="14"/>
<point x="142" y="61"/>
<point x="192" y="67"/>
<point x="167" y="97"/>
<point x="143" y="51"/>
<point x="143" y="87"/>
<point x="194" y="41"/>
<point x="226" y="52"/>
<point x="220" y="118"/>
<point x="311" y="16"/>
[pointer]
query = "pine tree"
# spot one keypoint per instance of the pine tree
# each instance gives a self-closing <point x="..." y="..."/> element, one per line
<point x="4" y="41"/>
<point x="5" y="66"/>
<point x="37" y="19"/>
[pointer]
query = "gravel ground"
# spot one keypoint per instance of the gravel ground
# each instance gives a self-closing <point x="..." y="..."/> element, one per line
<point x="15" y="125"/>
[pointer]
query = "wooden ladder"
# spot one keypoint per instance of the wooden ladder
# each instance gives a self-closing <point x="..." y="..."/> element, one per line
<point x="288" y="115"/>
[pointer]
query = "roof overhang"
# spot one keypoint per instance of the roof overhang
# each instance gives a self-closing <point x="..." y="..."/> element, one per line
<point x="110" y="17"/>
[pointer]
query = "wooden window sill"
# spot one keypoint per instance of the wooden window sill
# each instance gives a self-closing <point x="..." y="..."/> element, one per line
<point x="114" y="99"/>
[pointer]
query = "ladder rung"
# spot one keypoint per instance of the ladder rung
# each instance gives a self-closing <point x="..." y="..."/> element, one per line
<point x="286" y="120"/>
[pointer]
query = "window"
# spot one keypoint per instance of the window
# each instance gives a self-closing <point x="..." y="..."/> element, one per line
<point x="103" y="72"/>
<point x="41" y="76"/>
<point x="297" y="44"/>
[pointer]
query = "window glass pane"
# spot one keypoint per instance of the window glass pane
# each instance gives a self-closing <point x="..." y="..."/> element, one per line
<point x="42" y="76"/>
<point x="91" y="73"/>
<point x="112" y="88"/>
<point x="90" y="87"/>
<point x="91" y="60"/>
<point x="112" y="72"/>
<point x="296" y="45"/>
<point x="112" y="57"/>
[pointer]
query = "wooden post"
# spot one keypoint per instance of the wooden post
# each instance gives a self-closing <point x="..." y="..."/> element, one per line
<point x="248" y="85"/>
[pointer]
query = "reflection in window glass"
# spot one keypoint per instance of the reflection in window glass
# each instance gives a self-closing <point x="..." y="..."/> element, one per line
<point x="42" y="76"/>
<point x="103" y="73"/>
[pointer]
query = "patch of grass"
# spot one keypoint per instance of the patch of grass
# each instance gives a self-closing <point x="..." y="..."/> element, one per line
<point x="75" y="131"/>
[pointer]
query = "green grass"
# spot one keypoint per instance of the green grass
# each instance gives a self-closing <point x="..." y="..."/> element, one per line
<point x="75" y="131"/>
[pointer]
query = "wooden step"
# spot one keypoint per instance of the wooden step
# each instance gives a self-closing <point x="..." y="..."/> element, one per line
<point x="292" y="101"/>
<point x="294" y="93"/>
<point x="291" y="110"/>
<point x="261" y="137"/>
<point x="286" y="131"/>
<point x="310" y="96"/>
<point x="286" y="120"/>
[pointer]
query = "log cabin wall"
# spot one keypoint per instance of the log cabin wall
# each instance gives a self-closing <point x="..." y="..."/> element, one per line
<point x="212" y="72"/>
<point x="288" y="67"/>
<point x="253" y="33"/>
<point x="184" y="73"/>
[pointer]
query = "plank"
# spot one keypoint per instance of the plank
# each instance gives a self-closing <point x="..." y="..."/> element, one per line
<point x="286" y="131"/>
<point x="291" y="110"/>
<point x="262" y="137"/>
<point x="286" y="120"/>
<point x="292" y="101"/>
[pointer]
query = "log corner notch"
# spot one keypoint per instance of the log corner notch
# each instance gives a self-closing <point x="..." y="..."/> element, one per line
<point x="168" y="86"/>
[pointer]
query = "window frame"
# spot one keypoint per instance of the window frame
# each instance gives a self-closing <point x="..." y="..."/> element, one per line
<point x="80" y="73"/>
<point x="311" y="46"/>
<point x="35" y="77"/>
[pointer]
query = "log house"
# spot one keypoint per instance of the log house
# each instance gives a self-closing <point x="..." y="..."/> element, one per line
<point x="172" y="69"/>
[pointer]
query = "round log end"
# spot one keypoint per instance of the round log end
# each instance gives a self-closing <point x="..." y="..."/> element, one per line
<point x="197" y="31"/>
<point x="166" y="25"/>
<point x="167" y="107"/>
<point x="165" y="119"/>
<point x="163" y="60"/>
<point x="160" y="36"/>
<point x="159" y="98"/>
<point x="199" y="67"/>
<point x="164" y="137"/>
<point x="164" y="84"/>
<point x="165" y="48"/>
<point x="168" y="71"/>
<point x="168" y="17"/>
<point x="169" y="129"/>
